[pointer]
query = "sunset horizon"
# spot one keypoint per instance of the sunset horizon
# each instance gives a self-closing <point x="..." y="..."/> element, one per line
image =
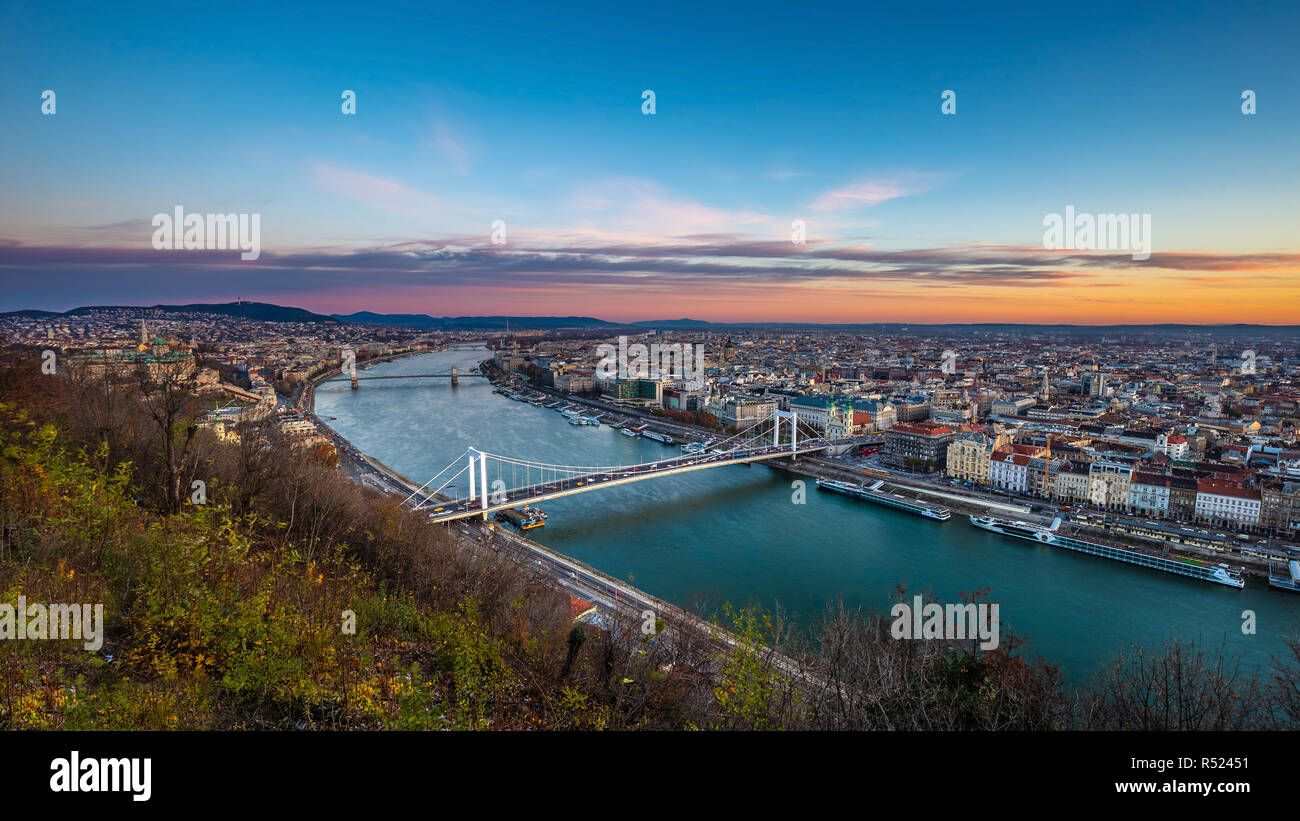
<point x="915" y="168"/>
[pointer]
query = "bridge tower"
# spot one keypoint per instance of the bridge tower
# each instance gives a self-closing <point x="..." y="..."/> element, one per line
<point x="355" y="386"/>
<point x="478" y="464"/>
<point x="777" y="416"/>
<point x="455" y="380"/>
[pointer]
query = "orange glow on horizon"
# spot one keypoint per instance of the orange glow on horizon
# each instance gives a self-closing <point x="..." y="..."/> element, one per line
<point x="1101" y="300"/>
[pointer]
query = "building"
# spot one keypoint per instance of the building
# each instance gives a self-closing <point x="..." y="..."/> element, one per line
<point x="1148" y="494"/>
<point x="681" y="399"/>
<point x="1072" y="483"/>
<point x="1280" y="507"/>
<point x="882" y="413"/>
<point x="969" y="454"/>
<point x="742" y="411"/>
<point x="1182" y="498"/>
<point x="1095" y="384"/>
<point x="1176" y="447"/>
<point x="639" y="391"/>
<point x="813" y="410"/>
<point x="1009" y="471"/>
<point x="1108" y="484"/>
<point x="575" y="381"/>
<point x="1013" y="406"/>
<point x="1227" y="503"/>
<point x="841" y="421"/>
<point x="917" y="445"/>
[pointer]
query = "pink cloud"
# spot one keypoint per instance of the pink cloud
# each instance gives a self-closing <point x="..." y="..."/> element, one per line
<point x="872" y="192"/>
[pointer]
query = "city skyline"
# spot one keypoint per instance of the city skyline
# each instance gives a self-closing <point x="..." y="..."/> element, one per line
<point x="910" y="214"/>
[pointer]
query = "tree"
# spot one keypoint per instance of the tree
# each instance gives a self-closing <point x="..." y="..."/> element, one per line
<point x="166" y="391"/>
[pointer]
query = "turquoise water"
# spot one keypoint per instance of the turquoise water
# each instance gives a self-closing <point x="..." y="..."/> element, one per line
<point x="734" y="534"/>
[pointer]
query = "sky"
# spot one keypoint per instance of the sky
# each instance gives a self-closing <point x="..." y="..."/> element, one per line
<point x="764" y="114"/>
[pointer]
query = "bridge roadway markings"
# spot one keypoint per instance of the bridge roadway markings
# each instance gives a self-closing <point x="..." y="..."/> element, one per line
<point x="604" y="483"/>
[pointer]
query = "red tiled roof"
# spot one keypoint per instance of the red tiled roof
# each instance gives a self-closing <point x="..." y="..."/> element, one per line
<point x="1223" y="487"/>
<point x="922" y="428"/>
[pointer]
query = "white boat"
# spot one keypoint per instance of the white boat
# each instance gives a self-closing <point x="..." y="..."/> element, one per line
<point x="1181" y="565"/>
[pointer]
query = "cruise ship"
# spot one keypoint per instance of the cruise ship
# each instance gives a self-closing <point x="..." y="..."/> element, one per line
<point x="1182" y="566"/>
<point x="875" y="494"/>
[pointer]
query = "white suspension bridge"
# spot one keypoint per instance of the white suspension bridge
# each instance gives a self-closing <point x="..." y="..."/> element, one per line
<point x="499" y="482"/>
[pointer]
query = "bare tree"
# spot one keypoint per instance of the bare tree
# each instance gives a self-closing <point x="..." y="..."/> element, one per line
<point x="1183" y="686"/>
<point x="166" y="391"/>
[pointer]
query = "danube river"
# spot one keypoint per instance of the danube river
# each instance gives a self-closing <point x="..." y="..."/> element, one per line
<point x="734" y="534"/>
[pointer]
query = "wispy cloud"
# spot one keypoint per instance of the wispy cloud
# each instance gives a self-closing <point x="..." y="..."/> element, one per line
<point x="640" y="207"/>
<point x="377" y="192"/>
<point x="871" y="192"/>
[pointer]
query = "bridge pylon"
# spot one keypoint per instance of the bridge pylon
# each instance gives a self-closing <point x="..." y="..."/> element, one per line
<point x="455" y="379"/>
<point x="478" y="485"/>
<point x="793" y="416"/>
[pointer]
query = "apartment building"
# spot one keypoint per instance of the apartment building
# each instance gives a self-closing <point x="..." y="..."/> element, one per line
<point x="1280" y="506"/>
<point x="1148" y="494"/>
<point x="1227" y="503"/>
<point x="1108" y="484"/>
<point x="1071" y="484"/>
<point x="968" y="457"/>
<point x="917" y="445"/>
<point x="1009" y="471"/>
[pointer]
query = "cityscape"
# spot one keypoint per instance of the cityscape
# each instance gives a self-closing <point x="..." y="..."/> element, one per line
<point x="933" y="373"/>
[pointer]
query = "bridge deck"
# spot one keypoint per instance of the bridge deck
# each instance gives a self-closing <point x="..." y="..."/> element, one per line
<point x="411" y="376"/>
<point x="542" y="491"/>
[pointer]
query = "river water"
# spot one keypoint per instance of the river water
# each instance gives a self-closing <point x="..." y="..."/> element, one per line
<point x="734" y="533"/>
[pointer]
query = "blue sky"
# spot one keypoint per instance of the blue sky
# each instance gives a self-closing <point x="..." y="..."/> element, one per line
<point x="532" y="114"/>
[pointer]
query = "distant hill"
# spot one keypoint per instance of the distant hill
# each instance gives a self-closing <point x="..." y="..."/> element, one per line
<point x="260" y="311"/>
<point x="674" y="323"/>
<point x="394" y="320"/>
<point x="30" y="314"/>
<point x="493" y="323"/>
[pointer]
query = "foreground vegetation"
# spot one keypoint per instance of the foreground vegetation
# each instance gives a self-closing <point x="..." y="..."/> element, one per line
<point x="229" y="614"/>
